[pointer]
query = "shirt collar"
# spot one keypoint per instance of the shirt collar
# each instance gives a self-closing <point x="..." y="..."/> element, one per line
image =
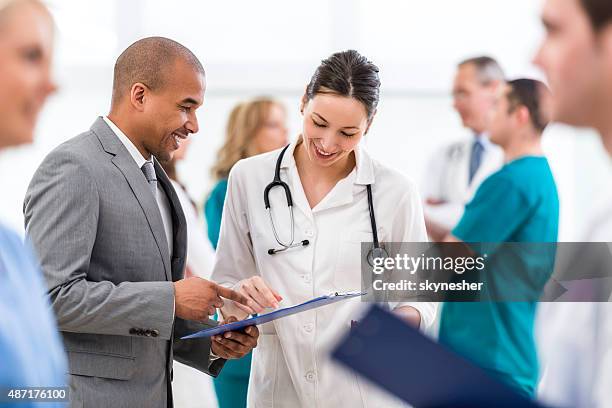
<point x="364" y="164"/>
<point x="484" y="140"/>
<point x="132" y="150"/>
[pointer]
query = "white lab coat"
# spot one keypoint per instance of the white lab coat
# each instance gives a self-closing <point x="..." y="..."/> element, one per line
<point x="447" y="178"/>
<point x="291" y="367"/>
<point x="575" y="341"/>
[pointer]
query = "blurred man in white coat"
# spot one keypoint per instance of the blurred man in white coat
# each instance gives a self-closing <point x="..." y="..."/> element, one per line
<point x="455" y="171"/>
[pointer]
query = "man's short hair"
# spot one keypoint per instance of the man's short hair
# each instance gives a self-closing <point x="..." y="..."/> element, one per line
<point x="149" y="61"/>
<point x="488" y="69"/>
<point x="530" y="93"/>
<point x="599" y="12"/>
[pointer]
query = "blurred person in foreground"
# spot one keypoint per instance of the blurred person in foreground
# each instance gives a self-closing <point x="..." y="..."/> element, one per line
<point x="518" y="204"/>
<point x="111" y="236"/>
<point x="31" y="353"/>
<point x="254" y="127"/>
<point x="576" y="338"/>
<point x="455" y="172"/>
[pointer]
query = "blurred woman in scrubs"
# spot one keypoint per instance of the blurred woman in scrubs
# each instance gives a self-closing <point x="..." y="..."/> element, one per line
<point x="327" y="173"/>
<point x="254" y="127"/>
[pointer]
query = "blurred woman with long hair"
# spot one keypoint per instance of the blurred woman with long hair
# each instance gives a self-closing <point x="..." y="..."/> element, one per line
<point x="253" y="127"/>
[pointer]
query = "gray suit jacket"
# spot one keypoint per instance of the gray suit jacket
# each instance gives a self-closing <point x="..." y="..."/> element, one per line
<point x="100" y="238"/>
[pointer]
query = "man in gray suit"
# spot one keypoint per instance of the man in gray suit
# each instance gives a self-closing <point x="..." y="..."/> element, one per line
<point x="111" y="237"/>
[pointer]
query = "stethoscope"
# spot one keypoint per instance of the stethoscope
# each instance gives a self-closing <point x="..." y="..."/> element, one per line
<point x="377" y="251"/>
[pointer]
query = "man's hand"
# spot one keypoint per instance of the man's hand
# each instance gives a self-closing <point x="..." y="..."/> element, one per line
<point x="196" y="298"/>
<point x="231" y="345"/>
<point x="410" y="315"/>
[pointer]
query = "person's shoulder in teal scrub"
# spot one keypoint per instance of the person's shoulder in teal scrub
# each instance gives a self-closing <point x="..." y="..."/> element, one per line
<point x="213" y="209"/>
<point x="519" y="203"/>
<point x="233" y="382"/>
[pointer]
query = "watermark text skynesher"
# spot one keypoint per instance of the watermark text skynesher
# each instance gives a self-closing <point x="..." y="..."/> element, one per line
<point x="487" y="271"/>
<point x="406" y="285"/>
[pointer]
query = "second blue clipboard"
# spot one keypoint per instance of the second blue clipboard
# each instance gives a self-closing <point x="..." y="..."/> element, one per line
<point x="277" y="314"/>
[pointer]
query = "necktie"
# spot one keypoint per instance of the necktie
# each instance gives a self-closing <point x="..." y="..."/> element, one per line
<point x="475" y="158"/>
<point x="149" y="171"/>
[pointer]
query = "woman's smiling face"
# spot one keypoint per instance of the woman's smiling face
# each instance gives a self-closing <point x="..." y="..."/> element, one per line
<point x="333" y="127"/>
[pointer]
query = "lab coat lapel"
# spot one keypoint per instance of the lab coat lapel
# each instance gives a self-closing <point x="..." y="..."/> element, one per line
<point x="340" y="195"/>
<point x="300" y="201"/>
<point x="344" y="191"/>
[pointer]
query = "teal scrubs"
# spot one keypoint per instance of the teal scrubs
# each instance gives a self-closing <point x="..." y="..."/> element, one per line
<point x="519" y="203"/>
<point x="233" y="382"/>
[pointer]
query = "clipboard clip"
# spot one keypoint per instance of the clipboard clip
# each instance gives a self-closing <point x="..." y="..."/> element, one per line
<point x="353" y="293"/>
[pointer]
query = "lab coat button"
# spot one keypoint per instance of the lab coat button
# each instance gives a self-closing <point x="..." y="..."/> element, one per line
<point x="310" y="376"/>
<point x="308" y="327"/>
<point x="309" y="232"/>
<point x="307" y="278"/>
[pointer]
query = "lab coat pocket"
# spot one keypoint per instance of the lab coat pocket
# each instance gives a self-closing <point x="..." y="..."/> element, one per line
<point x="347" y="274"/>
<point x="262" y="382"/>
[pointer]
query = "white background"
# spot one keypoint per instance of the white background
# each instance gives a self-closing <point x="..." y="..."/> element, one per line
<point x="272" y="47"/>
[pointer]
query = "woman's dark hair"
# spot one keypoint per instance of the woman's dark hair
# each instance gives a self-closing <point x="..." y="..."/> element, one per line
<point x="350" y="74"/>
<point x="599" y="12"/>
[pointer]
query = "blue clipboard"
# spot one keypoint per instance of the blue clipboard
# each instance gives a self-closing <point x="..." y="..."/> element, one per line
<point x="400" y="359"/>
<point x="277" y="314"/>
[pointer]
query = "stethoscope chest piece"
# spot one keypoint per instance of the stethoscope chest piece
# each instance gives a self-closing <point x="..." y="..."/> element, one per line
<point x="376" y="253"/>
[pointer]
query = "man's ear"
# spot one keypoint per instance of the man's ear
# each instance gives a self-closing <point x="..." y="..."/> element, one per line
<point x="138" y="96"/>
<point x="523" y="115"/>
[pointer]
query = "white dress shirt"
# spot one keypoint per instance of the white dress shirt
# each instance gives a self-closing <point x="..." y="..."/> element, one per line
<point x="447" y="178"/>
<point x="162" y="200"/>
<point x="291" y="365"/>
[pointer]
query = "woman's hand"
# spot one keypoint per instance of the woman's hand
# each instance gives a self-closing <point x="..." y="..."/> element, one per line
<point x="258" y="294"/>
<point x="409" y="314"/>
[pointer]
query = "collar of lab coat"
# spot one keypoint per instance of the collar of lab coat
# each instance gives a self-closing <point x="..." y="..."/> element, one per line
<point x="365" y="167"/>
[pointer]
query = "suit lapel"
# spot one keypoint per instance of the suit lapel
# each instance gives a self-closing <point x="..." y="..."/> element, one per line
<point x="138" y="183"/>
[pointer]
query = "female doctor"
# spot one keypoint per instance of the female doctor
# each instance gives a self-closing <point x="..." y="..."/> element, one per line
<point x="312" y="248"/>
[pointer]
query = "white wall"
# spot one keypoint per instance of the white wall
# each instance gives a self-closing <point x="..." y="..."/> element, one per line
<point x="251" y="48"/>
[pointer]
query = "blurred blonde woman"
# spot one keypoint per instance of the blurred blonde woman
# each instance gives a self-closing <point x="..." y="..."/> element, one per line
<point x="31" y="352"/>
<point x="253" y="127"/>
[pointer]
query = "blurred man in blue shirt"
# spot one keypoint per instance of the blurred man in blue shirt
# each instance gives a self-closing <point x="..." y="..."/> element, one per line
<point x="519" y="203"/>
<point x="31" y="353"/>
